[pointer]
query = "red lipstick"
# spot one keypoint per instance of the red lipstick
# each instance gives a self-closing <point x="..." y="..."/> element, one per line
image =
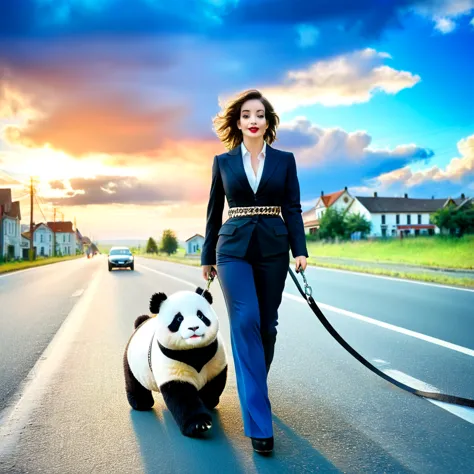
<point x="254" y="129"/>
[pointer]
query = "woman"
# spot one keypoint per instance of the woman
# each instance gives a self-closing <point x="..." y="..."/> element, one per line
<point x="251" y="249"/>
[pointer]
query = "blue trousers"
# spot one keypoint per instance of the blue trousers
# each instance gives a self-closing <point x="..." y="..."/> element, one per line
<point x="253" y="288"/>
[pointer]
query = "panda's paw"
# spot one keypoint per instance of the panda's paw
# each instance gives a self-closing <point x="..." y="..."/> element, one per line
<point x="141" y="404"/>
<point x="197" y="424"/>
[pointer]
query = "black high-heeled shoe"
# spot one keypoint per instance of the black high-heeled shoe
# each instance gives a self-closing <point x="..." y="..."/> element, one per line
<point x="262" y="445"/>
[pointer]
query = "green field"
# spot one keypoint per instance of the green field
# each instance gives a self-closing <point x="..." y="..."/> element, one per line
<point x="440" y="252"/>
<point x="14" y="266"/>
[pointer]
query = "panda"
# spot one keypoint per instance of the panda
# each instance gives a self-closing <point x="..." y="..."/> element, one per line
<point x="179" y="352"/>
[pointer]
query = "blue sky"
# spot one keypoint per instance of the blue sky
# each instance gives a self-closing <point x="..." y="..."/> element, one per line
<point x="373" y="95"/>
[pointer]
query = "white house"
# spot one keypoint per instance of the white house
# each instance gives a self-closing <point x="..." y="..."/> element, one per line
<point x="389" y="216"/>
<point x="340" y="200"/>
<point x="65" y="237"/>
<point x="194" y="244"/>
<point x="42" y="240"/>
<point x="10" y="226"/>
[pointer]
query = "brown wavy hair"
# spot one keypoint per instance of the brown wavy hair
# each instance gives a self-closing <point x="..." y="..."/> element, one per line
<point x="225" y="123"/>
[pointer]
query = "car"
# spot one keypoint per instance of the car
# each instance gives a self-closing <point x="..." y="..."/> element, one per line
<point x="120" y="257"/>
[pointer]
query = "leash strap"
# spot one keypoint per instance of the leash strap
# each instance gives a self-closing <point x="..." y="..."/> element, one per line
<point x="307" y="295"/>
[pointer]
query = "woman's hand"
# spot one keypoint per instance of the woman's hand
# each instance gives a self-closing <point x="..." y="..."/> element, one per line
<point x="208" y="269"/>
<point x="300" y="263"/>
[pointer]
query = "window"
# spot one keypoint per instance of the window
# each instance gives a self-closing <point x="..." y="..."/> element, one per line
<point x="408" y="219"/>
<point x="419" y="218"/>
<point x="398" y="218"/>
<point x="41" y="239"/>
<point x="383" y="219"/>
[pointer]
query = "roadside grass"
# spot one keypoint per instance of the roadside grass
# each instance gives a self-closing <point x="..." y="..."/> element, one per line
<point x="436" y="251"/>
<point x="14" y="266"/>
<point x="432" y="278"/>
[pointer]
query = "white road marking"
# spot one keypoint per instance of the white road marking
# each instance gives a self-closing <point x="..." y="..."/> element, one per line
<point x="168" y="276"/>
<point x="365" y="319"/>
<point x="466" y="413"/>
<point x="15" y="416"/>
<point x="391" y="327"/>
<point x="369" y="275"/>
<point x="402" y="280"/>
<point x="77" y="293"/>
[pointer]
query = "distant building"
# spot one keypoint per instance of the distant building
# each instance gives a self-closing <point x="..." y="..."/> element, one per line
<point x="194" y="244"/>
<point x="65" y="237"/>
<point x="10" y="226"/>
<point x="389" y="216"/>
<point x="42" y="241"/>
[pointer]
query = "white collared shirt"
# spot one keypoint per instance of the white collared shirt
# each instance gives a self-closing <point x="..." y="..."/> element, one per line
<point x="254" y="181"/>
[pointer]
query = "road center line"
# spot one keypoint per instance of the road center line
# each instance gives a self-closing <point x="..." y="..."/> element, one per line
<point x="391" y="327"/>
<point x="360" y="317"/>
<point x="466" y="413"/>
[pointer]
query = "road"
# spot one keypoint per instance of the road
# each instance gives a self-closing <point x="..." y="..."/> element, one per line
<point x="66" y="412"/>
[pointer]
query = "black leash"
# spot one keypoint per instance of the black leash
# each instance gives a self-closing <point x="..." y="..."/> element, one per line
<point x="307" y="295"/>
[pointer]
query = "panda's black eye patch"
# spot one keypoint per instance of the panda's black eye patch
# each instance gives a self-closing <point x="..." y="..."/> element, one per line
<point x="176" y="323"/>
<point x="203" y="318"/>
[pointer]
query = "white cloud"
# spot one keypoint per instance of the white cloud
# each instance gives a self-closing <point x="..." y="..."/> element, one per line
<point x="343" y="80"/>
<point x="459" y="171"/>
<point x="445" y="25"/>
<point x="445" y="13"/>
<point x="318" y="147"/>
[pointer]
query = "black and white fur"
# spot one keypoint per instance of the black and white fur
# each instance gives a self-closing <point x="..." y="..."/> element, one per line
<point x="184" y="348"/>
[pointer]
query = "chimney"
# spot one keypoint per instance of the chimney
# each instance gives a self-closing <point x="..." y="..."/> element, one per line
<point x="345" y="188"/>
<point x="463" y="196"/>
<point x="406" y="195"/>
<point x="322" y="193"/>
<point x="375" y="194"/>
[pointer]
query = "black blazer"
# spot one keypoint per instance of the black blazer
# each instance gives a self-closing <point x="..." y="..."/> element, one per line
<point x="278" y="186"/>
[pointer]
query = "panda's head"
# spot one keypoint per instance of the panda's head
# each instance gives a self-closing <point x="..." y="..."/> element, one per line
<point x="185" y="319"/>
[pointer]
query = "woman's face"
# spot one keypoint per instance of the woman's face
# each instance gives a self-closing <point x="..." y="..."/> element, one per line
<point x="252" y="119"/>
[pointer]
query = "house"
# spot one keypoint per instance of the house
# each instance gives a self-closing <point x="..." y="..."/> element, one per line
<point x="194" y="244"/>
<point x="389" y="216"/>
<point x="340" y="200"/>
<point x="42" y="241"/>
<point x="402" y="215"/>
<point x="10" y="226"/>
<point x="65" y="237"/>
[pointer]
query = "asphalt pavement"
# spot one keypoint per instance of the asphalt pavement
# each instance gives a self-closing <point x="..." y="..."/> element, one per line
<point x="331" y="414"/>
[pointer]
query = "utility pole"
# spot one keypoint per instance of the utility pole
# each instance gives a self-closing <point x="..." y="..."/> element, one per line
<point x="31" y="218"/>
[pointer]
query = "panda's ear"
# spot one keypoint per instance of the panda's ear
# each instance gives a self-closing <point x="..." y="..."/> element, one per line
<point x="204" y="293"/>
<point x="155" y="302"/>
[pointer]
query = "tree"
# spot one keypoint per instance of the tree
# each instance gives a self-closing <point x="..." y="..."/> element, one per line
<point x="454" y="220"/>
<point x="151" y="246"/>
<point x="444" y="219"/>
<point x="357" y="223"/>
<point x="169" y="242"/>
<point x="332" y="224"/>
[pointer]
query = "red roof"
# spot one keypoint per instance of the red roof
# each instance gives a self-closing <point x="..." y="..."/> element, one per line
<point x="14" y="210"/>
<point x="330" y="199"/>
<point x="64" y="227"/>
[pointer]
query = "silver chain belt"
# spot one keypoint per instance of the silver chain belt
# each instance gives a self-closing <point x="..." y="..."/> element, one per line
<point x="254" y="210"/>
